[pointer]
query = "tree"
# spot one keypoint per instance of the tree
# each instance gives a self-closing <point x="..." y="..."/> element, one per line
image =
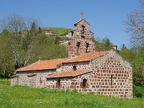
<point x="103" y="45"/>
<point x="6" y="63"/>
<point x="135" y="27"/>
<point x="138" y="68"/>
<point x="127" y="54"/>
<point x="57" y="40"/>
<point x="123" y="47"/>
<point x="20" y="38"/>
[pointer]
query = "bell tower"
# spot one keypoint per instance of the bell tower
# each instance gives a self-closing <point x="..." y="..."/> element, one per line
<point x="81" y="39"/>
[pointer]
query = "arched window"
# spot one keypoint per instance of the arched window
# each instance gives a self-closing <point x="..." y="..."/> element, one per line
<point x="84" y="83"/>
<point x="87" y="46"/>
<point x="78" y="45"/>
<point x="74" y="68"/>
<point x="82" y="35"/>
<point x="82" y="31"/>
<point x="82" y="28"/>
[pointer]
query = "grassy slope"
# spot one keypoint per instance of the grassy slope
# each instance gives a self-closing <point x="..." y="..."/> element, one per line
<point x="25" y="97"/>
<point x="60" y="31"/>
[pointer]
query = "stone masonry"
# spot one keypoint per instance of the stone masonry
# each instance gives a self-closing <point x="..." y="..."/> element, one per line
<point x="32" y="79"/>
<point x="81" y="40"/>
<point x="110" y="75"/>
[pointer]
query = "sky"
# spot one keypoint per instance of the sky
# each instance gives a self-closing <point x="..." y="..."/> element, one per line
<point x="104" y="16"/>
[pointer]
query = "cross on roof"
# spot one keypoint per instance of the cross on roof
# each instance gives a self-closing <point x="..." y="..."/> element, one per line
<point x="81" y="15"/>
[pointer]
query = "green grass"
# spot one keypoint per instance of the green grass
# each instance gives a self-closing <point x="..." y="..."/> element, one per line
<point x="26" y="97"/>
<point x="60" y="31"/>
<point x="4" y="82"/>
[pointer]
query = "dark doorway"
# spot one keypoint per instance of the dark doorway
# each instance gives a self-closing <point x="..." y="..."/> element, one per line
<point x="84" y="83"/>
<point x="58" y="83"/>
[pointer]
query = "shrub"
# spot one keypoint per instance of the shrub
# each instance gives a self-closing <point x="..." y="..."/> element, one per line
<point x="1" y="76"/>
<point x="138" y="91"/>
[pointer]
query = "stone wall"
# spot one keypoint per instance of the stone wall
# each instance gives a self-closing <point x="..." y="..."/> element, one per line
<point x="81" y="40"/>
<point x="32" y="78"/>
<point x="79" y="66"/>
<point x="70" y="83"/>
<point x="14" y="80"/>
<point x="111" y="76"/>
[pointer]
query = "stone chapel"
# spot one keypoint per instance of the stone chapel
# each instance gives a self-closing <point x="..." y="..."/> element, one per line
<point x="85" y="70"/>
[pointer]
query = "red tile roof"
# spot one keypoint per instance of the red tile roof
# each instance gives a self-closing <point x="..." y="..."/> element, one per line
<point x="68" y="74"/>
<point x="51" y="64"/>
<point x="42" y="65"/>
<point x="85" y="57"/>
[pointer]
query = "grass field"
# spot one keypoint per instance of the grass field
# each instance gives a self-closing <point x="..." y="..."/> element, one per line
<point x="26" y="97"/>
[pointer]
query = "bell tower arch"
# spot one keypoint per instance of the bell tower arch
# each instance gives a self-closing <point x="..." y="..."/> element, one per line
<point x="81" y="39"/>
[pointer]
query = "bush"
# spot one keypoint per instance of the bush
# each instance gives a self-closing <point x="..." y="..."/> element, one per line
<point x="138" y="91"/>
<point x="1" y="76"/>
<point x="4" y="76"/>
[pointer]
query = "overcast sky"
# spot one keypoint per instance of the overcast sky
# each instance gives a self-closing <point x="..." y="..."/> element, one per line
<point x="104" y="16"/>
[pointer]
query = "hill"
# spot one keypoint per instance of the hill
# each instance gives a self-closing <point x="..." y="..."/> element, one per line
<point x="58" y="31"/>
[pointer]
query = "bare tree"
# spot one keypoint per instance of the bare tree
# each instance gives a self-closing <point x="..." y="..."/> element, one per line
<point x="135" y="27"/>
<point x="141" y="2"/>
<point x="20" y="38"/>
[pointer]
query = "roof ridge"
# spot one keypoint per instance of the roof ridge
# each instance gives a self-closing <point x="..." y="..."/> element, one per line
<point x="28" y="65"/>
<point x="86" y="57"/>
<point x="81" y="20"/>
<point x="54" y="59"/>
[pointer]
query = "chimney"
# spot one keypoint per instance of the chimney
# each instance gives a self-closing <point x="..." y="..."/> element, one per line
<point x="114" y="47"/>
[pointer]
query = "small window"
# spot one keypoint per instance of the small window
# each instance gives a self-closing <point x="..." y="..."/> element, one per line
<point x="111" y="80"/>
<point x="87" y="46"/>
<point x="69" y="43"/>
<point x="84" y="83"/>
<point x="40" y="80"/>
<point x="77" y="50"/>
<point x="82" y="28"/>
<point x="74" y="68"/>
<point x="72" y="33"/>
<point x="82" y="35"/>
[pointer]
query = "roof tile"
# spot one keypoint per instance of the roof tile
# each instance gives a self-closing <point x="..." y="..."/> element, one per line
<point x="85" y="57"/>
<point x="51" y="64"/>
<point x="68" y="74"/>
<point x="42" y="65"/>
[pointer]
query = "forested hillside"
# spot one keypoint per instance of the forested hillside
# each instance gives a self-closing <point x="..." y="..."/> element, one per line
<point x="20" y="47"/>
